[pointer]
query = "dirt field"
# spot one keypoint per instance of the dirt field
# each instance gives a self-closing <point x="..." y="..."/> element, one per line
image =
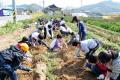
<point x="69" y="68"/>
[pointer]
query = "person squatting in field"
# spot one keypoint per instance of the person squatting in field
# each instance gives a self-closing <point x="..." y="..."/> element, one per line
<point x="88" y="46"/>
<point x="58" y="43"/>
<point x="11" y="59"/>
<point x="37" y="39"/>
<point x="112" y="60"/>
<point x="64" y="30"/>
<point x="100" y="70"/>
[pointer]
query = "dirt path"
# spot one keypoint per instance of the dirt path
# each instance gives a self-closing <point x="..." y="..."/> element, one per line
<point x="68" y="68"/>
<point x="12" y="38"/>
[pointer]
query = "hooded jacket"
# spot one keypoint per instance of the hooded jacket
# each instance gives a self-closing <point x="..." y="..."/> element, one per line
<point x="12" y="56"/>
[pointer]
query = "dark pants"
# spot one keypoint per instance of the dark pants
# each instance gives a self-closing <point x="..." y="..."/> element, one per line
<point x="10" y="71"/>
<point x="45" y="33"/>
<point x="50" y="32"/>
<point x="30" y="38"/>
<point x="82" y="35"/>
<point x="94" y="69"/>
<point x="92" y="51"/>
<point x="7" y="69"/>
<point x="118" y="78"/>
<point x="2" y="75"/>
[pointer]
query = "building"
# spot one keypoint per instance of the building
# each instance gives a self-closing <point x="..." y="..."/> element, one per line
<point x="52" y="9"/>
<point x="5" y="12"/>
<point x="79" y="14"/>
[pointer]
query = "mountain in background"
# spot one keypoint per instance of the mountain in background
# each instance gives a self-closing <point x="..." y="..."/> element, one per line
<point x="102" y="8"/>
<point x="31" y="7"/>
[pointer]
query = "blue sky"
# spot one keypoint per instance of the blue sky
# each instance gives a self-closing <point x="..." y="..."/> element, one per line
<point x="60" y="3"/>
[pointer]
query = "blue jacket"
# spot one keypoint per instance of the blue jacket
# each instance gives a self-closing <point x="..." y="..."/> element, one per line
<point x="12" y="56"/>
<point x="81" y="27"/>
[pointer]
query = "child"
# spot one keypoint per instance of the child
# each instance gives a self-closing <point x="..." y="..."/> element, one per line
<point x="58" y="43"/>
<point x="96" y="67"/>
<point x="37" y="39"/>
<point x="81" y="27"/>
<point x="11" y="59"/>
<point x="48" y="30"/>
<point x="73" y="37"/>
<point x="62" y="21"/>
<point x="88" y="46"/>
<point x="111" y="60"/>
<point x="25" y="40"/>
<point x="65" y="30"/>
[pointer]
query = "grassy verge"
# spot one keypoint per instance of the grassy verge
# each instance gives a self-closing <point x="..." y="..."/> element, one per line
<point x="10" y="27"/>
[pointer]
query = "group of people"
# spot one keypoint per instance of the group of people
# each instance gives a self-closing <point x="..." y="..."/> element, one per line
<point x="106" y="65"/>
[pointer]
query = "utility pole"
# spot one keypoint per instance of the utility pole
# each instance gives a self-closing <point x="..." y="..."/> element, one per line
<point x="81" y="2"/>
<point x="14" y="11"/>
<point x="43" y="5"/>
<point x="0" y="4"/>
<point x="81" y="5"/>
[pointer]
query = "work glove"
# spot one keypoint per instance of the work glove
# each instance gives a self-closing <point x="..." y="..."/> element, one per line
<point x="101" y="77"/>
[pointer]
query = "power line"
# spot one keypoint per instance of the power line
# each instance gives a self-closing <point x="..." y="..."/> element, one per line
<point x="43" y="5"/>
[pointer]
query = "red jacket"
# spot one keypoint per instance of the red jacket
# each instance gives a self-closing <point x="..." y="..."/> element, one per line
<point x="103" y="69"/>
